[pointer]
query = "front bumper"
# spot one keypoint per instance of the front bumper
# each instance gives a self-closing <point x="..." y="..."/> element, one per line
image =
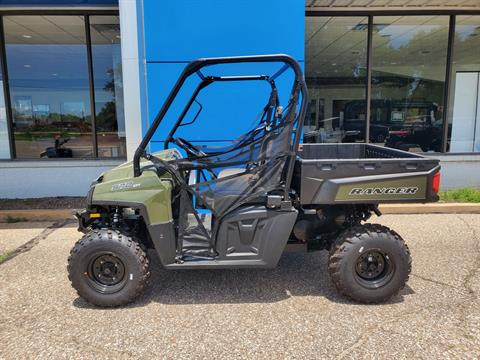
<point x="83" y="221"/>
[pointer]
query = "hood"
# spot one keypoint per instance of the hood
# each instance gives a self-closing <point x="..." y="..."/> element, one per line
<point x="125" y="170"/>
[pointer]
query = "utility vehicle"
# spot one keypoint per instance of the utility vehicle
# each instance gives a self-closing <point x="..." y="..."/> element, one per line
<point x="244" y="204"/>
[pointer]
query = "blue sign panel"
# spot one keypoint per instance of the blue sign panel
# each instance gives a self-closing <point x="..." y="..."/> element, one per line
<point x="177" y="32"/>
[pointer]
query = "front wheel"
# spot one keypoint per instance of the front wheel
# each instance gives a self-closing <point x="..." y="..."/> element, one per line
<point x="369" y="263"/>
<point x="108" y="268"/>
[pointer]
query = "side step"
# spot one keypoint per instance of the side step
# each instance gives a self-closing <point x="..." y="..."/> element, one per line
<point x="221" y="264"/>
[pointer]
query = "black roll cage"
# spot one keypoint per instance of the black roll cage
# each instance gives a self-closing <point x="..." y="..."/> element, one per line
<point x="195" y="67"/>
<point x="206" y="81"/>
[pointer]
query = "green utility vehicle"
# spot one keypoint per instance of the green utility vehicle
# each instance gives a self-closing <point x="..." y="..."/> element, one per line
<point x="244" y="204"/>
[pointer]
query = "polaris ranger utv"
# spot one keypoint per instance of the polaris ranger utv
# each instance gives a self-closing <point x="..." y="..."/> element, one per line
<point x="244" y="204"/>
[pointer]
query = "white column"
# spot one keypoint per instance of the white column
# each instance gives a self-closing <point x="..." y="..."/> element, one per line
<point x="133" y="65"/>
<point x="464" y="112"/>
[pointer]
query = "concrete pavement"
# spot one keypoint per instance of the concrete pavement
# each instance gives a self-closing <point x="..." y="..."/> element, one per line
<point x="289" y="312"/>
<point x="14" y="235"/>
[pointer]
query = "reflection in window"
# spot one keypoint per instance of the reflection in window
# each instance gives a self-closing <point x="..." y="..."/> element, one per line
<point x="335" y="67"/>
<point x="47" y="66"/>
<point x="408" y="79"/>
<point x="464" y="108"/>
<point x="107" y="74"/>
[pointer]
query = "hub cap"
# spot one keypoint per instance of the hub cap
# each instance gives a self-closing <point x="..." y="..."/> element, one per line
<point x="106" y="273"/>
<point x="374" y="268"/>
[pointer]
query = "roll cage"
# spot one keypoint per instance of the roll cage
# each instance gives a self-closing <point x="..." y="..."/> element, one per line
<point x="255" y="169"/>
<point x="194" y="68"/>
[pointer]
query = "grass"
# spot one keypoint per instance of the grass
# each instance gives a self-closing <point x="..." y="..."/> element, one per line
<point x="4" y="257"/>
<point x="470" y="195"/>
<point x="10" y="219"/>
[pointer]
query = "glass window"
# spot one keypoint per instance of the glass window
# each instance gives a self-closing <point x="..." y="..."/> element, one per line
<point x="335" y="70"/>
<point x="408" y="79"/>
<point x="107" y="75"/>
<point x="464" y="109"/>
<point x="49" y="88"/>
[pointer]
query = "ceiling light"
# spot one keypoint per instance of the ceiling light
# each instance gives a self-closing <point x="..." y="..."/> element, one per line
<point x="27" y="36"/>
<point x="54" y="74"/>
<point x="27" y="66"/>
<point x="334" y="64"/>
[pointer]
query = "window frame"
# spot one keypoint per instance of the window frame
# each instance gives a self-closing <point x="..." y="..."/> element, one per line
<point x="88" y="42"/>
<point x="450" y="47"/>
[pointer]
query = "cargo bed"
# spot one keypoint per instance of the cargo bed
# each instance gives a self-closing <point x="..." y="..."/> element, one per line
<point x="363" y="173"/>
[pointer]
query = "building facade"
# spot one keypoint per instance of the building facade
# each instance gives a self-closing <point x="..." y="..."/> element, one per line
<point x="82" y="80"/>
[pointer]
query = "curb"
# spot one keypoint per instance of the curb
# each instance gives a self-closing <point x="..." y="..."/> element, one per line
<point x="437" y="208"/>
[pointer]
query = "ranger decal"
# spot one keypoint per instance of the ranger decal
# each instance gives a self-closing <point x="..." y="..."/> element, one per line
<point x="384" y="191"/>
<point x="124" y="186"/>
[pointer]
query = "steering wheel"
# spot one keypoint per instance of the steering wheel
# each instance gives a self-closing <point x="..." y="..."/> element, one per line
<point x="193" y="151"/>
<point x="189" y="147"/>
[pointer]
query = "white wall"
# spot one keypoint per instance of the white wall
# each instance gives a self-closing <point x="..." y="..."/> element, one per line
<point x="26" y="179"/>
<point x="30" y="179"/>
<point x="459" y="171"/>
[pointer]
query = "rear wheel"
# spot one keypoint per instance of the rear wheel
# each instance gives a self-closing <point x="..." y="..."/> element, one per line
<point x="108" y="268"/>
<point x="369" y="263"/>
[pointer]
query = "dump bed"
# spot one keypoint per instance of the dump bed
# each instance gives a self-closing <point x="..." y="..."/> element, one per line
<point x="363" y="173"/>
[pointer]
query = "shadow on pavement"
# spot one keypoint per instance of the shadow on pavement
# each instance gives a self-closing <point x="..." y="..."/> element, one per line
<point x="295" y="275"/>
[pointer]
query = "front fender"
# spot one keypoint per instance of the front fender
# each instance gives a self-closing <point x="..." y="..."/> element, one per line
<point x="149" y="193"/>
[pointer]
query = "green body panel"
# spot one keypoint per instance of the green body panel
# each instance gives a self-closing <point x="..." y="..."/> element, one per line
<point x="148" y="191"/>
<point x="405" y="188"/>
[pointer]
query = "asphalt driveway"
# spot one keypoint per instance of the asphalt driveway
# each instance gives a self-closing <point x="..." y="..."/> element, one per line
<point x="292" y="311"/>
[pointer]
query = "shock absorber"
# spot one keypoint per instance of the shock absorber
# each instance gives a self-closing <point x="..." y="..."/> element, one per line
<point x="116" y="217"/>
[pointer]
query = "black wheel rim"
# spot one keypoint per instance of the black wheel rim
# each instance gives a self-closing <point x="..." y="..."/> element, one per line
<point x="106" y="273"/>
<point x="374" y="268"/>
